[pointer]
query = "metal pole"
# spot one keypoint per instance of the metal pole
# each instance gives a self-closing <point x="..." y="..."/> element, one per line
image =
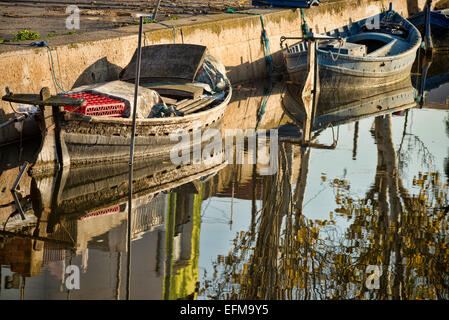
<point x="156" y="9"/>
<point x="14" y="189"/>
<point x="310" y="89"/>
<point x="428" y="36"/>
<point x="427" y="62"/>
<point x="131" y="159"/>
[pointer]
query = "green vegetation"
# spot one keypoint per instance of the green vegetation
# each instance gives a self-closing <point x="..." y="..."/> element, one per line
<point x="54" y="34"/>
<point x="286" y="255"/>
<point x="147" y="20"/>
<point x="26" y="35"/>
<point x="70" y="32"/>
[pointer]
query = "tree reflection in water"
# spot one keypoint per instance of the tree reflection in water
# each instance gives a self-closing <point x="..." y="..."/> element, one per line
<point x="290" y="256"/>
<point x="446" y="162"/>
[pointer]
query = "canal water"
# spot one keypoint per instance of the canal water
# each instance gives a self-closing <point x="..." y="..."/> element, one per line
<point x="363" y="213"/>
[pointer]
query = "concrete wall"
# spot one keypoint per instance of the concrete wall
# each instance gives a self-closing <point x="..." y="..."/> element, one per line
<point x="235" y="39"/>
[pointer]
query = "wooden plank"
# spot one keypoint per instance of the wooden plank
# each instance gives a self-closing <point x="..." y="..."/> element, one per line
<point x="203" y="104"/>
<point x="176" y="90"/>
<point x="182" y="103"/>
<point x="186" y="102"/>
<point x="189" y="105"/>
<point x="35" y="99"/>
<point x="167" y="61"/>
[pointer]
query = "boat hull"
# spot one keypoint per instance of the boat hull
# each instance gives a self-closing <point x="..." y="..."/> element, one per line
<point x="85" y="140"/>
<point x="350" y="73"/>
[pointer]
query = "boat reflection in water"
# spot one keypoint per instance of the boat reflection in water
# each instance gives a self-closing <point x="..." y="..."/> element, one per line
<point x="431" y="79"/>
<point x="439" y="27"/>
<point x="338" y="106"/>
<point x="288" y="254"/>
<point x="79" y="218"/>
<point x="298" y="242"/>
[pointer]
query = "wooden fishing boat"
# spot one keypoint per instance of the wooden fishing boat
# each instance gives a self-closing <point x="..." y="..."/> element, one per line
<point x="439" y="26"/>
<point x="336" y="107"/>
<point x="375" y="51"/>
<point x="182" y="88"/>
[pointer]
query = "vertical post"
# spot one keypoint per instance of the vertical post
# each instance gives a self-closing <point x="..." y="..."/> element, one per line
<point x="131" y="159"/>
<point x="232" y="205"/>
<point x="426" y="63"/>
<point x="356" y="136"/>
<point x="311" y="88"/>
<point x="156" y="9"/>
<point x="428" y="35"/>
<point x="316" y="83"/>
<point x="14" y="189"/>
<point x="119" y="271"/>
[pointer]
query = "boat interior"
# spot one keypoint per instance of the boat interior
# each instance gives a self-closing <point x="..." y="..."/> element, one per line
<point x="187" y="79"/>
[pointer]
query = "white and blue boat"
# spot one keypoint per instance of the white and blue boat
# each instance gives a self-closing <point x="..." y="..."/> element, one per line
<point x="376" y="51"/>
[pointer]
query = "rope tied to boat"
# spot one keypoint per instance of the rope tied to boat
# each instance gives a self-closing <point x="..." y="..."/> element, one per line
<point x="41" y="44"/>
<point x="342" y="43"/>
<point x="305" y="27"/>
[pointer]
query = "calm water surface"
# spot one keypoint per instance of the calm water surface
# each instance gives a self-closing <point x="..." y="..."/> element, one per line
<point x="378" y="200"/>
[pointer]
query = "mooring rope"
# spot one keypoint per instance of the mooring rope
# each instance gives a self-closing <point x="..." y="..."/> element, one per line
<point x="40" y="44"/>
<point x="263" y="104"/>
<point x="305" y="27"/>
<point x="342" y="43"/>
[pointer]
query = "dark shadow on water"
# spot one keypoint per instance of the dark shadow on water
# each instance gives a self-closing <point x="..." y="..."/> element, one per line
<point x="14" y="155"/>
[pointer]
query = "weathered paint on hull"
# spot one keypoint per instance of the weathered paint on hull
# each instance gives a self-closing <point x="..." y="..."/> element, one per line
<point x="384" y="65"/>
<point x="351" y="73"/>
<point x="88" y="140"/>
<point x="333" y="78"/>
<point x="85" y="145"/>
<point x="338" y="107"/>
